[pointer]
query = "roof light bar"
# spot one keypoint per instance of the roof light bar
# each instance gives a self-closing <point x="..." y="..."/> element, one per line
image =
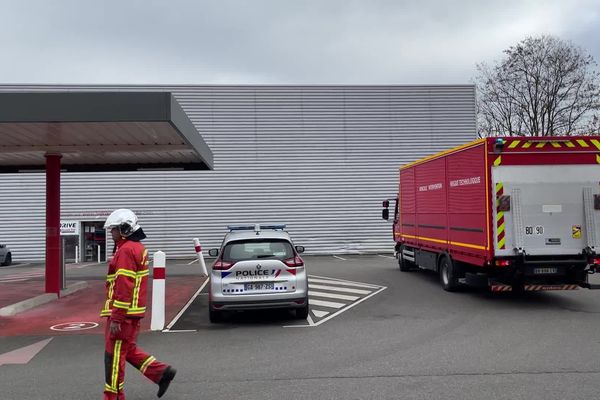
<point x="255" y="227"/>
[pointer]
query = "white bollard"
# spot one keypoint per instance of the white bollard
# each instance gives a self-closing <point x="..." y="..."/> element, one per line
<point x="76" y="254"/>
<point x="99" y="254"/>
<point x="157" y="323"/>
<point x="200" y="256"/>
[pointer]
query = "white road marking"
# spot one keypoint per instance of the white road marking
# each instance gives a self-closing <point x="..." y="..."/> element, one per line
<point x="340" y="289"/>
<point x="322" y="303"/>
<point x="344" y="283"/>
<point x="319" y="313"/>
<point x="193" y="261"/>
<point x="185" y="307"/>
<point x="338" y="312"/>
<point x="381" y="255"/>
<point x="332" y="295"/>
<point x="340" y="258"/>
<point x="310" y="321"/>
<point x="179" y="331"/>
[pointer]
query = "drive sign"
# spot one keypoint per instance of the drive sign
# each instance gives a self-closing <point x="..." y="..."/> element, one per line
<point x="68" y="228"/>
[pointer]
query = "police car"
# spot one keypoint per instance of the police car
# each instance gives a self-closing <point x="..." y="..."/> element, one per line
<point x="257" y="267"/>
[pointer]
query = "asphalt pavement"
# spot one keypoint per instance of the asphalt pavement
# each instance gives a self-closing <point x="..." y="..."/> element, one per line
<point x="406" y="339"/>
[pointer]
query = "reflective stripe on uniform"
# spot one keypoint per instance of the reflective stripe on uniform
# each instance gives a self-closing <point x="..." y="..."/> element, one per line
<point x="115" y="367"/>
<point x="136" y="311"/>
<point x="107" y="388"/>
<point x="121" y="304"/>
<point x="146" y="363"/>
<point x="136" y="290"/>
<point x="126" y="272"/>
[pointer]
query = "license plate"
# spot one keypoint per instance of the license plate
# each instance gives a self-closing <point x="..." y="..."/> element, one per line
<point x="545" y="271"/>
<point x="259" y="286"/>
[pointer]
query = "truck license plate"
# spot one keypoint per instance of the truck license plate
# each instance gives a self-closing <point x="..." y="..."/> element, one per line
<point x="540" y="271"/>
<point x="259" y="286"/>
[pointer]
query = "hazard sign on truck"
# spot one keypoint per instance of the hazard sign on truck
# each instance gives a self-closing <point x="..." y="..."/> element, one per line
<point x="509" y="213"/>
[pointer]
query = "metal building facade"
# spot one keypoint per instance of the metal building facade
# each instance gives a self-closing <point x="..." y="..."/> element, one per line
<point x="318" y="158"/>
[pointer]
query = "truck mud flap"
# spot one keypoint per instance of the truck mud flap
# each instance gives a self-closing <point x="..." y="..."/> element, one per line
<point x="475" y="280"/>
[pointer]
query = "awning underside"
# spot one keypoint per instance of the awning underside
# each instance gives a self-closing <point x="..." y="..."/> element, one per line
<point x="95" y="146"/>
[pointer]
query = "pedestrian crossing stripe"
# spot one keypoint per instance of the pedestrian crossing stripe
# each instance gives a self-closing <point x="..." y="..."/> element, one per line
<point x="319" y="313"/>
<point x="329" y="297"/>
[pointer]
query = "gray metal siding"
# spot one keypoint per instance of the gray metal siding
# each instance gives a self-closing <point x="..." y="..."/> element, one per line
<point x="318" y="158"/>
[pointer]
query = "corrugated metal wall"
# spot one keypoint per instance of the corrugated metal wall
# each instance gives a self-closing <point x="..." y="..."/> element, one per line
<point x="318" y="158"/>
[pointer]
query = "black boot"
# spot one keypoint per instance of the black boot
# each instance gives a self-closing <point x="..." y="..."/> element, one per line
<point x="165" y="380"/>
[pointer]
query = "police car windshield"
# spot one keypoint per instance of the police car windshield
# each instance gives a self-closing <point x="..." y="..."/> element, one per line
<point x="257" y="249"/>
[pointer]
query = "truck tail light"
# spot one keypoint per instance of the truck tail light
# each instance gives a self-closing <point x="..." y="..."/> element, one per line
<point x="595" y="261"/>
<point x="294" y="262"/>
<point x="503" y="263"/>
<point x="222" y="265"/>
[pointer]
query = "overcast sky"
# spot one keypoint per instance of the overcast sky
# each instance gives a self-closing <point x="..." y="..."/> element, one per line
<point x="275" y="41"/>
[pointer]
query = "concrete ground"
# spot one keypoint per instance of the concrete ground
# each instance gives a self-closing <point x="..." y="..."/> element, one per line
<point x="409" y="340"/>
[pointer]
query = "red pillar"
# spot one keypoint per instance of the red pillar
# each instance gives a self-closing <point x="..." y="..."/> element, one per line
<point x="53" y="278"/>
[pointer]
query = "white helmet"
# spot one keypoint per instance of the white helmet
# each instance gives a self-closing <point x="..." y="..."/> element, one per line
<point x="124" y="219"/>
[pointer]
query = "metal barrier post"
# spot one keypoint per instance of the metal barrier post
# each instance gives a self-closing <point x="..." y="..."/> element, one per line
<point x="157" y="322"/>
<point x="200" y="256"/>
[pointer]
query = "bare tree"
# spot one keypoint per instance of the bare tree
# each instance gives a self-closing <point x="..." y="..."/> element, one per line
<point x="543" y="86"/>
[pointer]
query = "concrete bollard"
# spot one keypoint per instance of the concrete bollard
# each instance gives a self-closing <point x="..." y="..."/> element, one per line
<point x="157" y="323"/>
<point x="200" y="256"/>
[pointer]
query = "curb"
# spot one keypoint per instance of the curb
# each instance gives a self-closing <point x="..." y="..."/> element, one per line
<point x="28" y="304"/>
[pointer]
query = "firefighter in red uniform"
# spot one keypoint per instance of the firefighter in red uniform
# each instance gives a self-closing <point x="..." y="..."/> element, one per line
<point x="125" y="306"/>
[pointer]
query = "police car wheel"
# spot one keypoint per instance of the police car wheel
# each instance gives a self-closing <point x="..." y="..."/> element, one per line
<point x="213" y="315"/>
<point x="302" y="313"/>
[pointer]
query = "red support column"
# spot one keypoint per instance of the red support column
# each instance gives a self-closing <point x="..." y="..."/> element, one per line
<point x="53" y="278"/>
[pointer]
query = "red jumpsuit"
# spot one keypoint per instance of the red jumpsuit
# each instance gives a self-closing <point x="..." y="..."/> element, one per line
<point x="126" y="285"/>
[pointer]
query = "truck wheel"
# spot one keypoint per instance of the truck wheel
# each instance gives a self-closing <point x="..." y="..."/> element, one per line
<point x="448" y="274"/>
<point x="403" y="264"/>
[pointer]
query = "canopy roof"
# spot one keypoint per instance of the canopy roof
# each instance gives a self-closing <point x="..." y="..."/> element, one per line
<point x="98" y="131"/>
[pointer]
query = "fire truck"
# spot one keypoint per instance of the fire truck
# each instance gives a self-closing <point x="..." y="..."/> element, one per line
<point x="505" y="213"/>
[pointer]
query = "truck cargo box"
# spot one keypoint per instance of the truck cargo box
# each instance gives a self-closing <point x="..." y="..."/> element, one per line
<point x="511" y="212"/>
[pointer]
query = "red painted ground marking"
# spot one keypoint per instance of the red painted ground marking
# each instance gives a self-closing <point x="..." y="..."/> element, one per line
<point x="85" y="306"/>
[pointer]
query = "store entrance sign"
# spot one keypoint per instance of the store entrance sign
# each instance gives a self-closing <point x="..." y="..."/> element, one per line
<point x="68" y="228"/>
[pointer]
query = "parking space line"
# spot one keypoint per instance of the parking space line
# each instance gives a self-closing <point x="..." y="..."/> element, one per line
<point x="167" y="329"/>
<point x="332" y="295"/>
<point x="319" y="313"/>
<point x="193" y="261"/>
<point x="340" y="289"/>
<point x="323" y="303"/>
<point x="340" y="258"/>
<point x="382" y="288"/>
<point x="344" y="283"/>
<point x="381" y="255"/>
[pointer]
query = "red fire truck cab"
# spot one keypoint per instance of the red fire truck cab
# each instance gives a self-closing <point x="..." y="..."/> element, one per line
<point x="506" y="214"/>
